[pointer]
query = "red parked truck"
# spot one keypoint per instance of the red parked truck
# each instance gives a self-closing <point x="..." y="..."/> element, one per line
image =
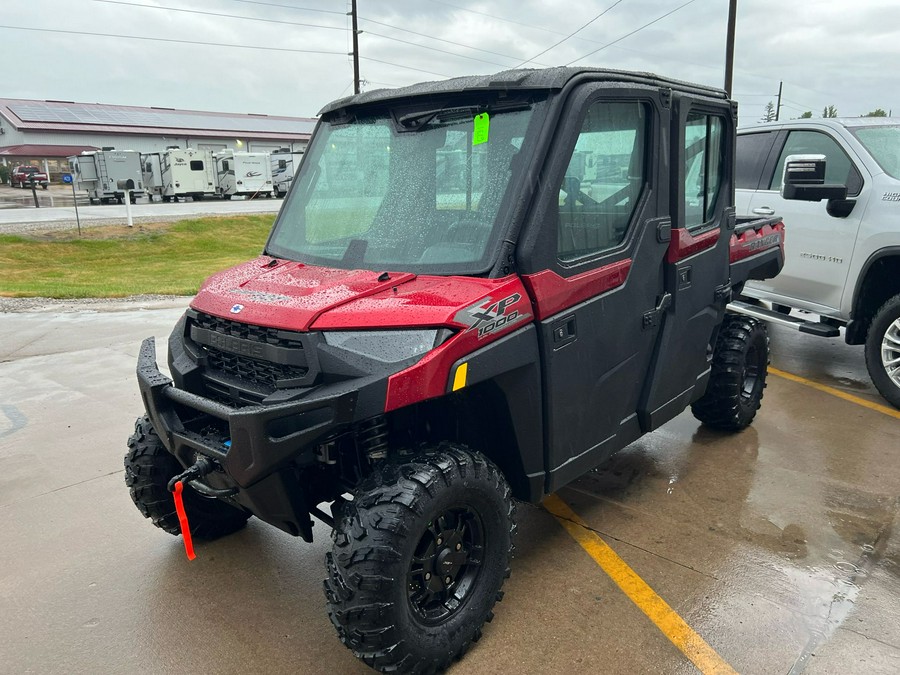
<point x="477" y="290"/>
<point x="25" y="176"/>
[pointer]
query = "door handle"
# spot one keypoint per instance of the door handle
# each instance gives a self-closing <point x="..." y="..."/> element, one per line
<point x="764" y="211"/>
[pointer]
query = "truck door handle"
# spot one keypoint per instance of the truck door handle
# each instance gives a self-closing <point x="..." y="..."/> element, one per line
<point x="764" y="211"/>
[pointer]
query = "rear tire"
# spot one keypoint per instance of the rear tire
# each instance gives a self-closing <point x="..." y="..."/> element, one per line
<point x="419" y="558"/>
<point x="148" y="469"/>
<point x="883" y="351"/>
<point x="738" y="377"/>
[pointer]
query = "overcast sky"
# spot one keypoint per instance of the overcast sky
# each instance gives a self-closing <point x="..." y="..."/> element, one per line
<point x="827" y="52"/>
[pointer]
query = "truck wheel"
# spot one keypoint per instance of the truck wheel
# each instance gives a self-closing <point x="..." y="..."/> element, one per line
<point x="418" y="559"/>
<point x="148" y="469"/>
<point x="739" y="368"/>
<point x="883" y="351"/>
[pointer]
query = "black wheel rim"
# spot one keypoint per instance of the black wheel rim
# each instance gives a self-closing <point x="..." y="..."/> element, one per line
<point x="446" y="565"/>
<point x="752" y="371"/>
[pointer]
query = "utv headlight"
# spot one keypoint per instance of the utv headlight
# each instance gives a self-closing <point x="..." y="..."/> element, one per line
<point x="387" y="346"/>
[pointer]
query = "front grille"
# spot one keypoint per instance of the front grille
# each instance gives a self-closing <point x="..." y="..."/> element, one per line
<point x="259" y="376"/>
<point x="271" y="336"/>
<point x="261" y="373"/>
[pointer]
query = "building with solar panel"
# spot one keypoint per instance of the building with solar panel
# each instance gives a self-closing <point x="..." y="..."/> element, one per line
<point x="44" y="133"/>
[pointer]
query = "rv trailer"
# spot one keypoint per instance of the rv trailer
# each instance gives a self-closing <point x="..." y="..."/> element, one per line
<point x="243" y="173"/>
<point x="179" y="172"/>
<point x="108" y="174"/>
<point x="284" y="163"/>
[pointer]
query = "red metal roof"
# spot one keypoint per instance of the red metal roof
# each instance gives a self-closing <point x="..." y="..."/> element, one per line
<point x="44" y="150"/>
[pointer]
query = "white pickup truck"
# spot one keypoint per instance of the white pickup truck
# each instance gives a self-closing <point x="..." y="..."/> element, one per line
<point x="842" y="252"/>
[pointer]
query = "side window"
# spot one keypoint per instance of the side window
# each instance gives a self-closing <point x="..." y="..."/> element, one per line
<point x="839" y="170"/>
<point x="704" y="167"/>
<point x="196" y="165"/>
<point x="600" y="190"/>
<point x="282" y="163"/>
<point x="226" y="165"/>
<point x="751" y="153"/>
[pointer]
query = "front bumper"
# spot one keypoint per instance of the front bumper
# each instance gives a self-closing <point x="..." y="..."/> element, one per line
<point x="250" y="443"/>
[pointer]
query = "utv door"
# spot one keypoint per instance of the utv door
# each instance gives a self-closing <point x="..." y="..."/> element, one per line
<point x="593" y="256"/>
<point x="697" y="262"/>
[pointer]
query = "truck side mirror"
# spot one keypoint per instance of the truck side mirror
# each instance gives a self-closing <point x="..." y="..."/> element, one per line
<point x="804" y="180"/>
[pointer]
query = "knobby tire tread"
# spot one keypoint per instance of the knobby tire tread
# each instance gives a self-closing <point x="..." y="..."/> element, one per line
<point x="148" y="469"/>
<point x="371" y="531"/>
<point x="722" y="406"/>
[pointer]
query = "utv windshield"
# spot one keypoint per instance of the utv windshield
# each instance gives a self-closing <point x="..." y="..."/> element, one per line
<point x="422" y="190"/>
<point x="883" y="143"/>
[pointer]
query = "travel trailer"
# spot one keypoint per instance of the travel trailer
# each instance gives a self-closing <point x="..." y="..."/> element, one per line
<point x="179" y="172"/>
<point x="284" y="163"/>
<point x="243" y="173"/>
<point x="108" y="174"/>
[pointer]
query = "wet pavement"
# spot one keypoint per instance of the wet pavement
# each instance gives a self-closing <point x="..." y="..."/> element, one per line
<point x="778" y="545"/>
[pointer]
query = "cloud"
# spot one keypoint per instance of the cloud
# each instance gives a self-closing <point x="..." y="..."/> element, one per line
<point x="826" y="53"/>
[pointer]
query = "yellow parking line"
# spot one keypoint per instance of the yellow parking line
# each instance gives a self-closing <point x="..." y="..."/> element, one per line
<point x="883" y="409"/>
<point x="657" y="610"/>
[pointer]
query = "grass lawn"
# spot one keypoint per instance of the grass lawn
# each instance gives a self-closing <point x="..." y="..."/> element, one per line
<point x="117" y="261"/>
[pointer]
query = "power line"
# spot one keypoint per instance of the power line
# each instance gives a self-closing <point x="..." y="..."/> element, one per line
<point x="573" y="34"/>
<point x="498" y="18"/>
<point x="397" y="65"/>
<point x="432" y="37"/>
<point x="185" y="42"/>
<point x="636" y="30"/>
<point x="227" y="16"/>
<point x="434" y="49"/>
<point x="299" y="9"/>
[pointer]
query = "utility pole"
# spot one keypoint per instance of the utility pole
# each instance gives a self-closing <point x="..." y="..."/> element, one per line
<point x="778" y="107"/>
<point x="355" y="48"/>
<point x="729" y="46"/>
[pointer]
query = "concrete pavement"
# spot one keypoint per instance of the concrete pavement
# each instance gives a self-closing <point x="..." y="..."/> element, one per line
<point x="778" y="545"/>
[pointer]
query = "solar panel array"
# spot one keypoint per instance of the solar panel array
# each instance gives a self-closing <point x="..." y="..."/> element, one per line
<point x="77" y="113"/>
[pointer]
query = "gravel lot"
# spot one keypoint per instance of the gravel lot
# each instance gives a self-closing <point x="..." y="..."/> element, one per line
<point x="22" y="305"/>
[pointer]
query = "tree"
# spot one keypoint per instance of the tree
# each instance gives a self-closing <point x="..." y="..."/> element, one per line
<point x="829" y="111"/>
<point x="878" y="112"/>
<point x="806" y="115"/>
<point x="769" y="114"/>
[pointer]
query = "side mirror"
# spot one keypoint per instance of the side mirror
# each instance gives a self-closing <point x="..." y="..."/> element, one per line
<point x="804" y="180"/>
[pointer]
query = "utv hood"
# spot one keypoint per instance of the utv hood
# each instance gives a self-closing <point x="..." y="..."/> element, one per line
<point x="297" y="297"/>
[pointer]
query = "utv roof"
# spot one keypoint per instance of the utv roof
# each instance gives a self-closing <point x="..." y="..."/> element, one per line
<point x="523" y="79"/>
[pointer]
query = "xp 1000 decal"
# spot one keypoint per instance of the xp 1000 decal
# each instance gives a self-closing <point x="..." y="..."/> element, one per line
<point x="487" y="316"/>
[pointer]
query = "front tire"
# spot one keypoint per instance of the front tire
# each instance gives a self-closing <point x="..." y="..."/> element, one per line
<point x="883" y="351"/>
<point x="419" y="558"/>
<point x="738" y="377"/>
<point x="148" y="469"/>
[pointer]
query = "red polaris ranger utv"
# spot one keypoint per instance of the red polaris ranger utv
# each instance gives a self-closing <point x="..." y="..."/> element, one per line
<point x="476" y="291"/>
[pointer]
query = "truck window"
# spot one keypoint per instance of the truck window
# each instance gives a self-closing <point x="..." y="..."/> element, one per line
<point x="282" y="163"/>
<point x="839" y="170"/>
<point x="752" y="150"/>
<point x="704" y="166"/>
<point x="884" y="145"/>
<point x="226" y="165"/>
<point x="602" y="184"/>
<point x="196" y="165"/>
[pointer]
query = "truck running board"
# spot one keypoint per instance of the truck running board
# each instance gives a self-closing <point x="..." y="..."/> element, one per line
<point x="811" y="327"/>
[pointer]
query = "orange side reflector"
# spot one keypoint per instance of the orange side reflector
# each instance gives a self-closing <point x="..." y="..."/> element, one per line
<point x="183" y="521"/>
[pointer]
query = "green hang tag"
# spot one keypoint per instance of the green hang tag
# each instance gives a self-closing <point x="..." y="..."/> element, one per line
<point x="482" y="127"/>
